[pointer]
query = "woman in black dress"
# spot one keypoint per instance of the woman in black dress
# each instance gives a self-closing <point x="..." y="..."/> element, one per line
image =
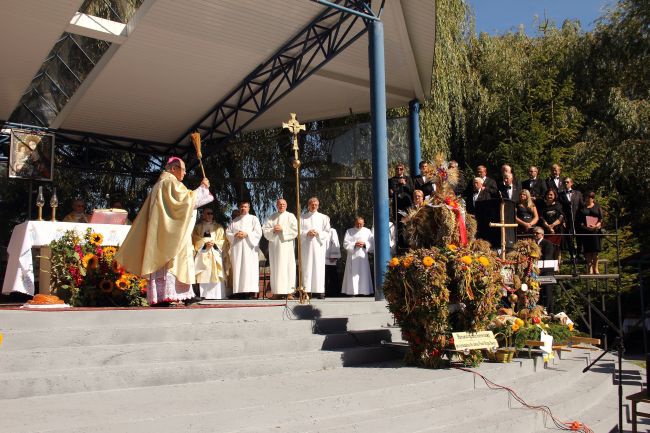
<point x="589" y="221"/>
<point x="551" y="219"/>
<point x="526" y="215"/>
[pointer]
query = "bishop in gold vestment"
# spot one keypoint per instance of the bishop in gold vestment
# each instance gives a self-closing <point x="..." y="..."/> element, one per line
<point x="159" y="244"/>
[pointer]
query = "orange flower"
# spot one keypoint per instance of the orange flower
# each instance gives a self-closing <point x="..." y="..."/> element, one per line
<point x="427" y="261"/>
<point x="394" y="262"/>
<point x="96" y="238"/>
<point x="90" y="261"/>
<point x="106" y="286"/>
<point x="466" y="259"/>
<point x="407" y="262"/>
<point x="515" y="327"/>
<point x="122" y="283"/>
<point x="484" y="261"/>
<point x="117" y="268"/>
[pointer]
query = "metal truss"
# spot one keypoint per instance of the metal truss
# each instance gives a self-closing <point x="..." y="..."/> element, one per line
<point x="331" y="32"/>
<point x="68" y="144"/>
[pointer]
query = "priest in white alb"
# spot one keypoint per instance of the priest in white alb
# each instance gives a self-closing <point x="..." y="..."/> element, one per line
<point x="244" y="234"/>
<point x="314" y="233"/>
<point x="159" y="244"/>
<point x="209" y="238"/>
<point x="358" y="242"/>
<point x="280" y="230"/>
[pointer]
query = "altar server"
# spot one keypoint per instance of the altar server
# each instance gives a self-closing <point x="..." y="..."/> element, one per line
<point x="244" y="234"/>
<point x="358" y="243"/>
<point x="209" y="238"/>
<point x="315" y="230"/>
<point x="159" y="244"/>
<point x="280" y="230"/>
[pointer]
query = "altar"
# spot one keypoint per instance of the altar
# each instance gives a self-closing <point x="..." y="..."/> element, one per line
<point x="19" y="276"/>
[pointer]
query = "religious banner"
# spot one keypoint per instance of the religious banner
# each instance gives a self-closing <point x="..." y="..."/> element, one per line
<point x="31" y="155"/>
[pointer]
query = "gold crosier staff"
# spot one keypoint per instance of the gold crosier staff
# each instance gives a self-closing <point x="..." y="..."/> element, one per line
<point x="295" y="127"/>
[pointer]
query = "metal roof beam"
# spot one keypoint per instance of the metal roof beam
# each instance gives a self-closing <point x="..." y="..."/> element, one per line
<point x="331" y="32"/>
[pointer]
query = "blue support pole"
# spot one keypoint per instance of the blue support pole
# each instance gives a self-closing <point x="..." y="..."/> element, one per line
<point x="379" y="153"/>
<point x="415" y="154"/>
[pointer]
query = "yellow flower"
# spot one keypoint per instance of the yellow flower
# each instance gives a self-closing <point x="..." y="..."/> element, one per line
<point x="90" y="261"/>
<point x="106" y="286"/>
<point x="110" y="252"/>
<point x="407" y="262"/>
<point x="484" y="261"/>
<point x="427" y="261"/>
<point x="394" y="262"/>
<point x="570" y="326"/>
<point x="122" y="283"/>
<point x="96" y="238"/>
<point x="452" y="247"/>
<point x="519" y="322"/>
<point x="466" y="259"/>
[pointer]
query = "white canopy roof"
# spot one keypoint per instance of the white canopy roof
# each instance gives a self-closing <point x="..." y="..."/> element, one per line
<point x="176" y="59"/>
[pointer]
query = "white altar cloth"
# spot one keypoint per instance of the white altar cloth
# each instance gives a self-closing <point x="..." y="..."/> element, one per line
<point x="19" y="276"/>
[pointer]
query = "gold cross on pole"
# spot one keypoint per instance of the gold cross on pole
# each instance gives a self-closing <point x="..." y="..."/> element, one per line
<point x="503" y="225"/>
<point x="294" y="127"/>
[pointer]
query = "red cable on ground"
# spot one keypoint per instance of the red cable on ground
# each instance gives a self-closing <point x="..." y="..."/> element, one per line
<point x="568" y="426"/>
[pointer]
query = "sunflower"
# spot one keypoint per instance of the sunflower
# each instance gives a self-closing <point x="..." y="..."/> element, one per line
<point x="122" y="283"/>
<point x="427" y="261"/>
<point x="110" y="251"/>
<point x="484" y="261"/>
<point x="466" y="259"/>
<point x="96" y="238"/>
<point x="90" y="261"/>
<point x="106" y="286"/>
<point x="394" y="262"/>
<point x="143" y="285"/>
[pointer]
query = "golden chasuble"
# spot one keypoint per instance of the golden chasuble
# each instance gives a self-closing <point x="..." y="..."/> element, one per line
<point x="161" y="232"/>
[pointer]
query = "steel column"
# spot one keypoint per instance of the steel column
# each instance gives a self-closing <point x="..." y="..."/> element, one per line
<point x="379" y="153"/>
<point x="415" y="154"/>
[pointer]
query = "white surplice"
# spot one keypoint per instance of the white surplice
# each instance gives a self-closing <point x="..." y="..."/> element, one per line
<point x="357" y="280"/>
<point x="244" y="258"/>
<point x="281" y="251"/>
<point x="393" y="237"/>
<point x="313" y="250"/>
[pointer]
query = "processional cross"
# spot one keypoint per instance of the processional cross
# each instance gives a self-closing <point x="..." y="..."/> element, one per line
<point x="294" y="128"/>
<point x="503" y="225"/>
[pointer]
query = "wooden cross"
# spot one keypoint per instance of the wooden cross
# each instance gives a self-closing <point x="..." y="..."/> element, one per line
<point x="502" y="224"/>
<point x="294" y="127"/>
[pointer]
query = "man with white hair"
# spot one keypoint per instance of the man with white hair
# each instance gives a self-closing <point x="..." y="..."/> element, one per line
<point x="478" y="193"/>
<point x="315" y="230"/>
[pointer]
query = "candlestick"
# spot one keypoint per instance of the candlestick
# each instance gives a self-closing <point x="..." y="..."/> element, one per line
<point x="40" y="202"/>
<point x="54" y="203"/>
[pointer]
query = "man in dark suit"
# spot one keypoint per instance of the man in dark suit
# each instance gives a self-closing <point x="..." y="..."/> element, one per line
<point x="536" y="186"/>
<point x="488" y="183"/>
<point x="547" y="247"/>
<point x="507" y="188"/>
<point x="423" y="181"/>
<point x="479" y="192"/>
<point x="571" y="201"/>
<point x="400" y="190"/>
<point x="555" y="181"/>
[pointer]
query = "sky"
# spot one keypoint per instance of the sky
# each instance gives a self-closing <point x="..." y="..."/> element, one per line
<point x="500" y="16"/>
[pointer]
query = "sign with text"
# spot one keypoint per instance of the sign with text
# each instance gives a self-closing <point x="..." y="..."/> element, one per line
<point x="474" y="340"/>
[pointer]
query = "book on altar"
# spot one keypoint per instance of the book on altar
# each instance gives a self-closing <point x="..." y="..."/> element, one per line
<point x="109" y="216"/>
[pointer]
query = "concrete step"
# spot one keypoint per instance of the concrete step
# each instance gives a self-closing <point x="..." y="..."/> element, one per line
<point x="232" y="404"/>
<point x="26" y="384"/>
